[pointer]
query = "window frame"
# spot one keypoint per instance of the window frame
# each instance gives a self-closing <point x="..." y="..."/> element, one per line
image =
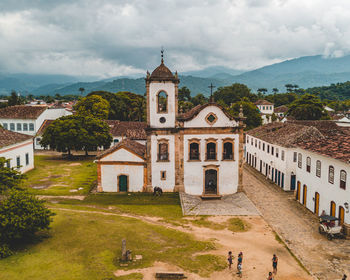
<point x="300" y="160"/>
<point x="18" y="127"/>
<point x="167" y="102"/>
<point x="12" y="126"/>
<point x="318" y="168"/>
<point x="25" y="126"/>
<point x="18" y="162"/>
<point x="232" y="142"/>
<point x="194" y="141"/>
<point x="342" y="181"/>
<point x="163" y="175"/>
<point x="27" y="159"/>
<point x="208" y="141"/>
<point x="163" y="142"/>
<point x="31" y="127"/>
<point x="308" y="164"/>
<point x="331" y="178"/>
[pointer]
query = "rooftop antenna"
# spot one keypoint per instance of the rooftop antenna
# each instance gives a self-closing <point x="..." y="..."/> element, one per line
<point x="162" y="54"/>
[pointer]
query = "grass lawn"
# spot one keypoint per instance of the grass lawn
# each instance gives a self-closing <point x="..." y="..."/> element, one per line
<point x="56" y="176"/>
<point x="87" y="246"/>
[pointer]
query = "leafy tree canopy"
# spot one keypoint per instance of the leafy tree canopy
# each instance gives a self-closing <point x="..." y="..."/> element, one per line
<point x="307" y="107"/>
<point x="93" y="106"/>
<point x="9" y="176"/>
<point x="76" y="133"/>
<point x="21" y="216"/>
<point x="250" y="111"/>
<point x="199" y="99"/>
<point x="184" y="94"/>
<point x="233" y="93"/>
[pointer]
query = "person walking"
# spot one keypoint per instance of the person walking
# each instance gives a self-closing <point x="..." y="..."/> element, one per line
<point x="344" y="277"/>
<point x="239" y="264"/>
<point x="270" y="277"/>
<point x="229" y="259"/>
<point x="274" y="263"/>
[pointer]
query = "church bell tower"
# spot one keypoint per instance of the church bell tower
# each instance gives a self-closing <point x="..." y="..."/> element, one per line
<point x="162" y="97"/>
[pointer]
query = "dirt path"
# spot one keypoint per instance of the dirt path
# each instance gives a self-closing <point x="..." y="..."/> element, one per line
<point x="298" y="227"/>
<point x="257" y="245"/>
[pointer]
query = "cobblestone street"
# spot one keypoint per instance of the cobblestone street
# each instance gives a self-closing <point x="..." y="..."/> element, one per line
<point x="298" y="227"/>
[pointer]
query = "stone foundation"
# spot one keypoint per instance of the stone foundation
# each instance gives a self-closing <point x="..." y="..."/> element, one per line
<point x="346" y="230"/>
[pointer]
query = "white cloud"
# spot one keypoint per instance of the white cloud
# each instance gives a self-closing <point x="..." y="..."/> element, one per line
<point x="122" y="37"/>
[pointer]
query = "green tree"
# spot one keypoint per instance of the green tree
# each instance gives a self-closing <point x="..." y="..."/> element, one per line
<point x="93" y="106"/>
<point x="184" y="94"/>
<point x="21" y="216"/>
<point x="14" y="99"/>
<point x="262" y="91"/>
<point x="199" y="99"/>
<point x="307" y="107"/>
<point x="9" y="176"/>
<point x="289" y="87"/>
<point x="76" y="133"/>
<point x="81" y="89"/>
<point x="250" y="111"/>
<point x="234" y="93"/>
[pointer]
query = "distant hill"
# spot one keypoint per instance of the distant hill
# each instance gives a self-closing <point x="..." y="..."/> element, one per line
<point x="306" y="72"/>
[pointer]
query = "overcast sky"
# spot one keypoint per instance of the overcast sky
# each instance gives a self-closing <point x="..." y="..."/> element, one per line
<point x="120" y="37"/>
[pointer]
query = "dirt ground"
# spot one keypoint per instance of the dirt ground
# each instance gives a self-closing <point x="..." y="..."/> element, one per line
<point x="258" y="245"/>
<point x="298" y="227"/>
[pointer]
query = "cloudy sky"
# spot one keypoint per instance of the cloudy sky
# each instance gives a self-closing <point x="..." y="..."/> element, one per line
<point x="120" y="37"/>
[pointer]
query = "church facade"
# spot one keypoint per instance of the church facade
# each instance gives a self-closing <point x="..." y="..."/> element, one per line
<point x="199" y="152"/>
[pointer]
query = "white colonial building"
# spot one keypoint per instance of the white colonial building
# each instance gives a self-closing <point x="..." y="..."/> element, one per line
<point x="28" y="119"/>
<point x="18" y="148"/>
<point x="311" y="158"/>
<point x="266" y="110"/>
<point x="199" y="152"/>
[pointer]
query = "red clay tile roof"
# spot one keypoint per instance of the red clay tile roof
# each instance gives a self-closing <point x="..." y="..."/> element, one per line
<point x="8" y="137"/>
<point x="21" y="112"/>
<point x="195" y="111"/>
<point x="322" y="137"/>
<point x="130" y="130"/>
<point x="44" y="125"/>
<point x="131" y="145"/>
<point x="263" y="102"/>
<point x="281" y="109"/>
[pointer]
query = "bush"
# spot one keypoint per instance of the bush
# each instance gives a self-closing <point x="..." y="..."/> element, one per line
<point x="5" y="251"/>
<point x="21" y="216"/>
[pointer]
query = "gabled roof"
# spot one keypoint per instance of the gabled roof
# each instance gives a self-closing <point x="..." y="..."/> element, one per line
<point x="131" y="130"/>
<point x="281" y="109"/>
<point x="196" y="110"/>
<point x="8" y="138"/>
<point x="129" y="145"/>
<point x="21" y="112"/>
<point x="43" y="126"/>
<point x="263" y="102"/>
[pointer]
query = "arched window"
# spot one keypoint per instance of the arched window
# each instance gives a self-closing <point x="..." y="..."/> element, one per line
<point x="162" y="101"/>
<point x="300" y="158"/>
<point x="163" y="154"/>
<point x="211" y="150"/>
<point x="194" y="151"/>
<point x="318" y="168"/>
<point x="331" y="174"/>
<point x="343" y="179"/>
<point x="308" y="164"/>
<point x="227" y="150"/>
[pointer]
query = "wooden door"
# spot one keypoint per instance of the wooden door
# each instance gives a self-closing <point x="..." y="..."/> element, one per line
<point x="297" y="197"/>
<point x="332" y="210"/>
<point x="317" y="203"/>
<point x="341" y="215"/>
<point x="123" y="183"/>
<point x="304" y="194"/>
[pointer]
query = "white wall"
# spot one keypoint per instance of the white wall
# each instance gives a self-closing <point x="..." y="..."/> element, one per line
<point x="266" y="109"/>
<point x="122" y="155"/>
<point x="194" y="170"/>
<point x="199" y="120"/>
<point x="21" y="121"/>
<point x="154" y="89"/>
<point x="284" y="166"/>
<point x="328" y="192"/>
<point x="19" y="150"/>
<point x="110" y="173"/>
<point x="167" y="166"/>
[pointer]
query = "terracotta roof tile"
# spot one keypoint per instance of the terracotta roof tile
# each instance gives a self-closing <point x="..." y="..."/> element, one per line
<point x="43" y="126"/>
<point x="263" y="102"/>
<point x="22" y="112"/>
<point x="8" y="137"/>
<point x="322" y="137"/>
<point x="162" y="73"/>
<point x="131" y="130"/>
<point x="281" y="109"/>
<point x="128" y="144"/>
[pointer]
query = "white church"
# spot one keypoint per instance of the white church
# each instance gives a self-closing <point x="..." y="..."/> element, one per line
<point x="199" y="152"/>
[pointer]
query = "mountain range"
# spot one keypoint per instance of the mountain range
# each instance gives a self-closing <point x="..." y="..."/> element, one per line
<point x="307" y="71"/>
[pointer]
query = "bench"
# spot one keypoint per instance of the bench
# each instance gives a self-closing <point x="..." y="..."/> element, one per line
<point x="170" y="275"/>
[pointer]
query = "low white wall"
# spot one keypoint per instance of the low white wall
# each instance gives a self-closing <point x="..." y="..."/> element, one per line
<point x="20" y="150"/>
<point x="110" y="173"/>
